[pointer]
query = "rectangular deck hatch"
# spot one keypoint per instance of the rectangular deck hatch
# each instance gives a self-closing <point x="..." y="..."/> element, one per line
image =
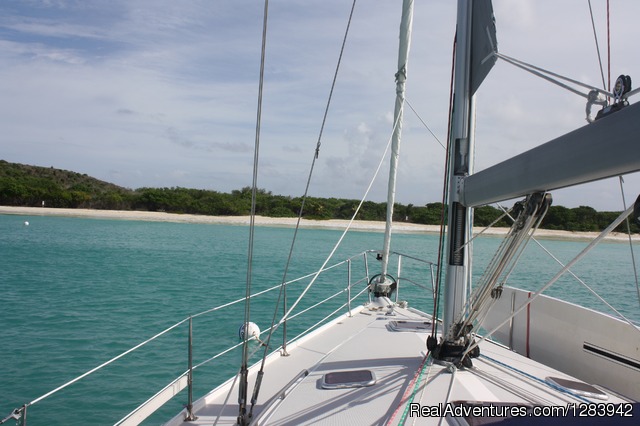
<point x="348" y="379"/>
<point x="415" y="326"/>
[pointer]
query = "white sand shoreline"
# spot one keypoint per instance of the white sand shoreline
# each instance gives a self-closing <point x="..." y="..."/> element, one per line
<point x="370" y="226"/>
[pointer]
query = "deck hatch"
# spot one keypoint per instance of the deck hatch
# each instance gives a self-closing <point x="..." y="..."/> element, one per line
<point x="348" y="379"/>
<point x="577" y="387"/>
<point x="401" y="325"/>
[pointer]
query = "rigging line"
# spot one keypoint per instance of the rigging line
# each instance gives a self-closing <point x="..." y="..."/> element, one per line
<point x="235" y="379"/>
<point x="486" y="228"/>
<point x="608" y="50"/>
<point x="313" y="161"/>
<point x="104" y="364"/>
<point x="575" y="260"/>
<point x="633" y="258"/>
<point x="498" y="379"/>
<point x="259" y="293"/>
<point x="577" y="278"/>
<point x="242" y="394"/>
<point x="603" y="300"/>
<point x="344" y="233"/>
<point x="16" y="415"/>
<point x="304" y="197"/>
<point x="453" y="370"/>
<point x="226" y="399"/>
<point x="335" y="76"/>
<point x="316" y="324"/>
<point x="407" y="400"/>
<point x="540" y="72"/>
<point x="321" y="321"/>
<point x="540" y="213"/>
<point x="595" y="37"/>
<point x="503" y="269"/>
<point x="537" y="379"/>
<point x="445" y="192"/>
<point x="503" y="262"/>
<point x="424" y="124"/>
<point x="423" y="392"/>
<point x="632" y="93"/>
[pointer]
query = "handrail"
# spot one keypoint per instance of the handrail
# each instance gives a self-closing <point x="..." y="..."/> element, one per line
<point x="417" y="259"/>
<point x="318" y="323"/>
<point x="104" y="364"/>
<point x="181" y="382"/>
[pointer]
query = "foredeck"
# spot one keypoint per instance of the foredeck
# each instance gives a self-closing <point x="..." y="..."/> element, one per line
<point x="292" y="392"/>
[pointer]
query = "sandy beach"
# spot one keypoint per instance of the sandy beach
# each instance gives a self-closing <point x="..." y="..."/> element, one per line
<point x="360" y="225"/>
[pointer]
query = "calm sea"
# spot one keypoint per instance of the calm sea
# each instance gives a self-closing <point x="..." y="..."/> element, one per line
<point x="77" y="292"/>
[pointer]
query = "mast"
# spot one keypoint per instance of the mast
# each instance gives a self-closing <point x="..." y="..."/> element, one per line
<point x="476" y="45"/>
<point x="459" y="217"/>
<point x="401" y="76"/>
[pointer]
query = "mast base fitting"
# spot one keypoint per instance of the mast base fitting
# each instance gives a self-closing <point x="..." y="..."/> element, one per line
<point x="382" y="285"/>
<point x="451" y="352"/>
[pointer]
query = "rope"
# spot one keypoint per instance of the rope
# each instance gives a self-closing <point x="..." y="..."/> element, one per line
<point x="315" y="157"/>
<point x="570" y="272"/>
<point x="413" y="388"/>
<point x="242" y="397"/>
<point x="608" y="50"/>
<point x="282" y="295"/>
<point x="575" y="260"/>
<point x="505" y="259"/>
<point x="344" y="233"/>
<point x="530" y="394"/>
<point x="235" y="379"/>
<point x="450" y="390"/>
<point x="172" y="327"/>
<point x="540" y="72"/>
<point x="425" y="124"/>
<point x="633" y="257"/>
<point x="15" y="415"/>
<point x="440" y="271"/>
<point x="104" y="364"/>
<point x="595" y="37"/>
<point x="485" y="229"/>
<point x="537" y="379"/>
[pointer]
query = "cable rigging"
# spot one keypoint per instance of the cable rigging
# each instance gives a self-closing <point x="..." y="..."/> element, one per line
<point x="621" y="180"/>
<point x="282" y="294"/>
<point x="244" y="418"/>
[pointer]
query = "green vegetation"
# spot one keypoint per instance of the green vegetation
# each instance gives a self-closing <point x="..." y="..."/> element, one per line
<point x="22" y="185"/>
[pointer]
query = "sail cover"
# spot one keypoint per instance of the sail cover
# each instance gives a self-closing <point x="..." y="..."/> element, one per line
<point x="483" y="42"/>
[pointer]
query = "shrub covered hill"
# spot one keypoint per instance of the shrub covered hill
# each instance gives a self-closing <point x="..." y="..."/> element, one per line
<point x="23" y="185"/>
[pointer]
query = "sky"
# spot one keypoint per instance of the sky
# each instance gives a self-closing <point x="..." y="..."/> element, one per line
<point x="159" y="93"/>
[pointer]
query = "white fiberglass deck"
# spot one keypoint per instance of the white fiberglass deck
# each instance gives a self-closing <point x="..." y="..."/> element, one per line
<point x="291" y="392"/>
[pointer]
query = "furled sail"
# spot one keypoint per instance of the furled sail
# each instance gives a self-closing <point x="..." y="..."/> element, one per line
<point x="401" y="77"/>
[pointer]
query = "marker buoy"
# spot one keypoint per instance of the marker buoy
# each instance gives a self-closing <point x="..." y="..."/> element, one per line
<point x="254" y="330"/>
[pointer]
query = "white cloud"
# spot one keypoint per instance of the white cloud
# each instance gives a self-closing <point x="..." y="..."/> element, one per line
<point x="136" y="91"/>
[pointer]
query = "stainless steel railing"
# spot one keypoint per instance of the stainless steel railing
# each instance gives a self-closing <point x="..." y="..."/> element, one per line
<point x="185" y="380"/>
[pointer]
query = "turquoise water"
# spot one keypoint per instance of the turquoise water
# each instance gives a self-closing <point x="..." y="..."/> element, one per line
<point x="77" y="292"/>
